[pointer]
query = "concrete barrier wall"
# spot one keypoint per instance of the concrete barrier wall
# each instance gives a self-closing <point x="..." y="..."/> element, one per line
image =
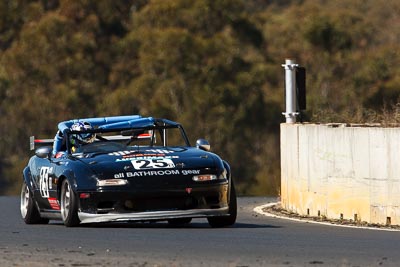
<point x="341" y="172"/>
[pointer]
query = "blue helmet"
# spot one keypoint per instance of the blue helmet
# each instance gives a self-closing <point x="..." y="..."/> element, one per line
<point x="84" y="138"/>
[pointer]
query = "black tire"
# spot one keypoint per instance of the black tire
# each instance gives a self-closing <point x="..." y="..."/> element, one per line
<point x="69" y="205"/>
<point x="29" y="212"/>
<point x="224" y="221"/>
<point x="179" y="221"/>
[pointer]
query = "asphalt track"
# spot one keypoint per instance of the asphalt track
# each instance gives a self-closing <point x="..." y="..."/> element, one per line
<point x="255" y="240"/>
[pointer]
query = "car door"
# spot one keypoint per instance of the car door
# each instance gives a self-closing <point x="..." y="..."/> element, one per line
<point x="45" y="180"/>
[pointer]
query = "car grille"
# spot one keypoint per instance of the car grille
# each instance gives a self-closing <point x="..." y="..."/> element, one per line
<point x="158" y="204"/>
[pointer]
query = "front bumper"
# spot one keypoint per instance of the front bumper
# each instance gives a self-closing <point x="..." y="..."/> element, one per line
<point x="121" y="204"/>
<point x="153" y="215"/>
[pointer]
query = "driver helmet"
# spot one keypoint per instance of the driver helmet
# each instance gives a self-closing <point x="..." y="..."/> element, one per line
<point x="83" y="138"/>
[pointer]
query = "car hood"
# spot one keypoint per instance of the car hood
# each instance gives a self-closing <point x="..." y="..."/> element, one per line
<point x="152" y="161"/>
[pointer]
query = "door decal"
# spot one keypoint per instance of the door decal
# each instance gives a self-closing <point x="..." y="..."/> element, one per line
<point x="45" y="181"/>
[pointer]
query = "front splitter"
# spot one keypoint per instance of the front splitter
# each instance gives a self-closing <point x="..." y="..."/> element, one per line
<point x="151" y="215"/>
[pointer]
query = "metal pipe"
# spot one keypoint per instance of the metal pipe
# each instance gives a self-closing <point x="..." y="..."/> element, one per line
<point x="290" y="90"/>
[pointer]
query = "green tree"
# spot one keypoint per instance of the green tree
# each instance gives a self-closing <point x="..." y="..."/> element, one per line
<point x="193" y="65"/>
<point x="213" y="65"/>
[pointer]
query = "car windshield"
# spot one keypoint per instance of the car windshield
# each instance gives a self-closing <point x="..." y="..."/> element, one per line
<point x="107" y="142"/>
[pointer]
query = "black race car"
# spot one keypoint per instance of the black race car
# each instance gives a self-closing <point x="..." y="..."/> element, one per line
<point x="132" y="169"/>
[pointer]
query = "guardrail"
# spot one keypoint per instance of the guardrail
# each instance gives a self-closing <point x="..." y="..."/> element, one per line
<point x="341" y="172"/>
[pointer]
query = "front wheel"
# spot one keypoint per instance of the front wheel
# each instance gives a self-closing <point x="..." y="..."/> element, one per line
<point x="69" y="205"/>
<point x="223" y="221"/>
<point x="29" y="212"/>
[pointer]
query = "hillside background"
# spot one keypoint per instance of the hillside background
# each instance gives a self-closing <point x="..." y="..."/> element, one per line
<point x="213" y="65"/>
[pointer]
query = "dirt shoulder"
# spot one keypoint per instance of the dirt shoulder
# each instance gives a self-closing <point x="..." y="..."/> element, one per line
<point x="276" y="210"/>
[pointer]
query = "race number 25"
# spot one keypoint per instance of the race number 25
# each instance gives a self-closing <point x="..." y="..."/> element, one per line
<point x="143" y="164"/>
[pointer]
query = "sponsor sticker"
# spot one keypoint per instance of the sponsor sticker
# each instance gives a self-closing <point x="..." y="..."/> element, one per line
<point x="188" y="172"/>
<point x="145" y="157"/>
<point x="154" y="173"/>
<point x="54" y="203"/>
<point x="160" y="151"/>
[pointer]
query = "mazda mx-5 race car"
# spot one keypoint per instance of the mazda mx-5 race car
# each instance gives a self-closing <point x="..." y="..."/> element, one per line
<point x="133" y="169"/>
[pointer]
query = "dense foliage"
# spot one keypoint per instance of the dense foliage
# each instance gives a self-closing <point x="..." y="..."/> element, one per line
<point x="213" y="65"/>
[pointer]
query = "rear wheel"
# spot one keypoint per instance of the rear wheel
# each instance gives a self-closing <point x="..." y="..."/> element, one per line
<point x="223" y="221"/>
<point x="69" y="205"/>
<point x="29" y="212"/>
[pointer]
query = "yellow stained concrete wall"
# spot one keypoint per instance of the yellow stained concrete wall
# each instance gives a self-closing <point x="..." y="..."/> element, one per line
<point x="341" y="172"/>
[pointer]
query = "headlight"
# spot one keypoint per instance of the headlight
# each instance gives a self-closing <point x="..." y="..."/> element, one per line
<point x="223" y="175"/>
<point x="204" y="177"/>
<point x="112" y="182"/>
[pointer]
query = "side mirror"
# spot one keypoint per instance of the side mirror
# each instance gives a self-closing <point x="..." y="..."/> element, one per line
<point x="203" y="144"/>
<point x="43" y="152"/>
